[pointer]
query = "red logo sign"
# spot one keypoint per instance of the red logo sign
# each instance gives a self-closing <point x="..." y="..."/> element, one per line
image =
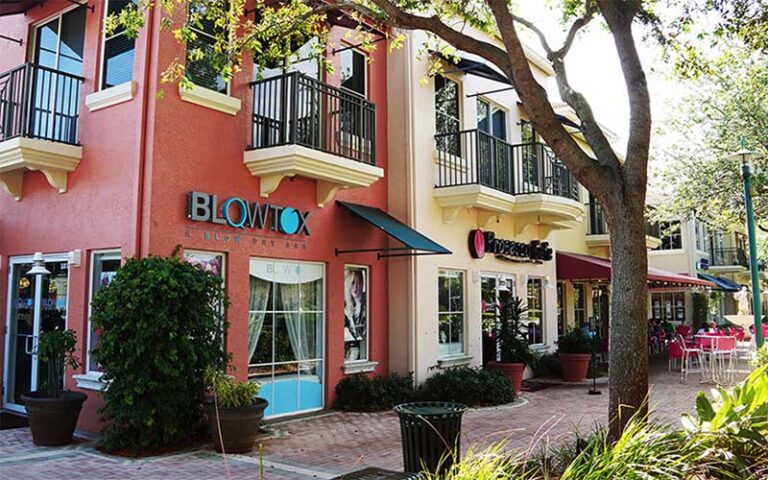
<point x="477" y="243"/>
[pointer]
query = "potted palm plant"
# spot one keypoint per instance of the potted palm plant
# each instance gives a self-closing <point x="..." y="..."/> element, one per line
<point x="235" y="412"/>
<point x="510" y="334"/>
<point x="53" y="411"/>
<point x="575" y="350"/>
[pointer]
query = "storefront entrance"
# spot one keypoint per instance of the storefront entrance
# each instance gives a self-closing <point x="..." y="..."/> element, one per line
<point x="491" y="285"/>
<point x="37" y="303"/>
<point x="285" y="334"/>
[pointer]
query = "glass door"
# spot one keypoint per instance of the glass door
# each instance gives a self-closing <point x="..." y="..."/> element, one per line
<point x="37" y="303"/>
<point x="285" y="342"/>
<point x="490" y="286"/>
<point x="58" y="54"/>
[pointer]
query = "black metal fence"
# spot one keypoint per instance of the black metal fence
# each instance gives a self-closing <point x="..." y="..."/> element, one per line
<point x="728" y="256"/>
<point x="39" y="102"/>
<point x="475" y="157"/>
<point x="296" y="109"/>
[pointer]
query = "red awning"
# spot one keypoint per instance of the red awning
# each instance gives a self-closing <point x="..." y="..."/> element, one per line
<point x="572" y="266"/>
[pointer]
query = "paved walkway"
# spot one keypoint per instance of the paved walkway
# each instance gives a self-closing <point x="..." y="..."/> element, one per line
<point x="333" y="443"/>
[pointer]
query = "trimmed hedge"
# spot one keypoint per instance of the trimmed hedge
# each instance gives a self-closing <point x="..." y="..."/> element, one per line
<point x="471" y="386"/>
<point x="360" y="393"/>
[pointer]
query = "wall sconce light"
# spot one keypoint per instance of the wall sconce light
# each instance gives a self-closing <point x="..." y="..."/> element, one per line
<point x="75" y="258"/>
<point x="38" y="265"/>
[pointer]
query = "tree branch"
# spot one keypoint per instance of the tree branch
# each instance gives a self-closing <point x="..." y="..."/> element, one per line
<point x="619" y="16"/>
<point x="540" y="111"/>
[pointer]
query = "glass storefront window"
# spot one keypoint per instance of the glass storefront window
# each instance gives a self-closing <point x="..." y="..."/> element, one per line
<point x="285" y="334"/>
<point x="535" y="311"/>
<point x="579" y="304"/>
<point x="450" y="288"/>
<point x="356" y="322"/>
<point x="668" y="306"/>
<point x="104" y="266"/>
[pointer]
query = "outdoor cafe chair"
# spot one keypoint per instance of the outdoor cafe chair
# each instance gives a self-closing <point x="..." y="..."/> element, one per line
<point x="689" y="355"/>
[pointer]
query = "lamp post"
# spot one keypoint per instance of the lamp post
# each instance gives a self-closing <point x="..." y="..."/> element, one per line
<point x="744" y="156"/>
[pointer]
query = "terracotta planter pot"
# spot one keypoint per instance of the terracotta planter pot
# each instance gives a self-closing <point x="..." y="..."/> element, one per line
<point x="239" y="426"/>
<point x="513" y="371"/>
<point x="575" y="366"/>
<point x="53" y="420"/>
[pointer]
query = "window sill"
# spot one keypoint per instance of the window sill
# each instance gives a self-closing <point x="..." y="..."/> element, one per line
<point x="454" y="361"/>
<point x="210" y="99"/>
<point x="362" y="366"/>
<point x="110" y="96"/>
<point x="90" y="381"/>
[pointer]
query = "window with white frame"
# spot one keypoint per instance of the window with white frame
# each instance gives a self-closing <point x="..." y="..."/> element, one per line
<point x="356" y="321"/>
<point x="117" y="49"/>
<point x="671" y="236"/>
<point x="535" y="322"/>
<point x="702" y="236"/>
<point x="450" y="289"/>
<point x="104" y="267"/>
<point x="447" y="116"/>
<point x="201" y="71"/>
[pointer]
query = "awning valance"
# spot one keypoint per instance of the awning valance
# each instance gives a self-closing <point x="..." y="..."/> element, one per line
<point x="474" y="66"/>
<point x="414" y="243"/>
<point x="13" y="7"/>
<point x="722" y="283"/>
<point x="573" y="266"/>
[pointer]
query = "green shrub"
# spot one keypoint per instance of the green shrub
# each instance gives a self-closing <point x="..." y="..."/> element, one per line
<point x="576" y="341"/>
<point x="730" y="430"/>
<point x="56" y="350"/>
<point x="162" y="326"/>
<point x="361" y="393"/>
<point x="761" y="357"/>
<point x="509" y="330"/>
<point x="546" y="365"/>
<point x="228" y="392"/>
<point x="470" y="386"/>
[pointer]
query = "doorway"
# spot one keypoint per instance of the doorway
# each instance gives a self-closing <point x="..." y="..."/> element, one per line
<point x="36" y="304"/>
<point x="490" y="286"/>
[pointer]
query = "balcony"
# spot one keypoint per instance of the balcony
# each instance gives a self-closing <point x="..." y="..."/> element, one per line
<point x="724" y="259"/>
<point x="39" y="113"/>
<point x="477" y="170"/>
<point x="597" y="229"/>
<point x="304" y="127"/>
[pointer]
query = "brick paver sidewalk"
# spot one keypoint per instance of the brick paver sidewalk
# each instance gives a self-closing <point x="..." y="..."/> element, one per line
<point x="332" y="443"/>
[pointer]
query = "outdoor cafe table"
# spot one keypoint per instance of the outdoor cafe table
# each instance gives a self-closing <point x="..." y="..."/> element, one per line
<point x="716" y="357"/>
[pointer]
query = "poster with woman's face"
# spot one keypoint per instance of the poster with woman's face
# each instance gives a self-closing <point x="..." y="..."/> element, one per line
<point x="355" y="312"/>
<point x="209" y="262"/>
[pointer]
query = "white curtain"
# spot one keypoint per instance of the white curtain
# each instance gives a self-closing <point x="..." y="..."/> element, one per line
<point x="257" y="305"/>
<point x="296" y="327"/>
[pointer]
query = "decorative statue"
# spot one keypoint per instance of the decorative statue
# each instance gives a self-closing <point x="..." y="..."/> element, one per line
<point x="743" y="298"/>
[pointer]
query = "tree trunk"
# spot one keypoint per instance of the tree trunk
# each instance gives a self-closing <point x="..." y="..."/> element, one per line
<point x="628" y="370"/>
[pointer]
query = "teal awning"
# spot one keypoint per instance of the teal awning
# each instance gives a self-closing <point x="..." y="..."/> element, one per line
<point x="414" y="243"/>
<point x="722" y="283"/>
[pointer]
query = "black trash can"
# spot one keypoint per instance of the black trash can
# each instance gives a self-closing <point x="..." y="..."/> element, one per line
<point x="431" y="435"/>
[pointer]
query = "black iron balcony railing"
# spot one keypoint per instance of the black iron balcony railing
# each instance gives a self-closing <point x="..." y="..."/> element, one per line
<point x="39" y="102"/>
<point x="723" y="257"/>
<point x="599" y="226"/>
<point x="294" y="109"/>
<point x="475" y="157"/>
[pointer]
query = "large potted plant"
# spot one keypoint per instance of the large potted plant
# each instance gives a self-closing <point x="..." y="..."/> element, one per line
<point x="575" y="350"/>
<point x="235" y="412"/>
<point x="510" y="334"/>
<point x="53" y="411"/>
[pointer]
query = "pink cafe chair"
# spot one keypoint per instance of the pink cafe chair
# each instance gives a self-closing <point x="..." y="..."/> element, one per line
<point x="689" y="355"/>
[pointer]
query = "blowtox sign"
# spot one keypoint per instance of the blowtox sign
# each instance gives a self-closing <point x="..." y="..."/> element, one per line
<point x="239" y="213"/>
